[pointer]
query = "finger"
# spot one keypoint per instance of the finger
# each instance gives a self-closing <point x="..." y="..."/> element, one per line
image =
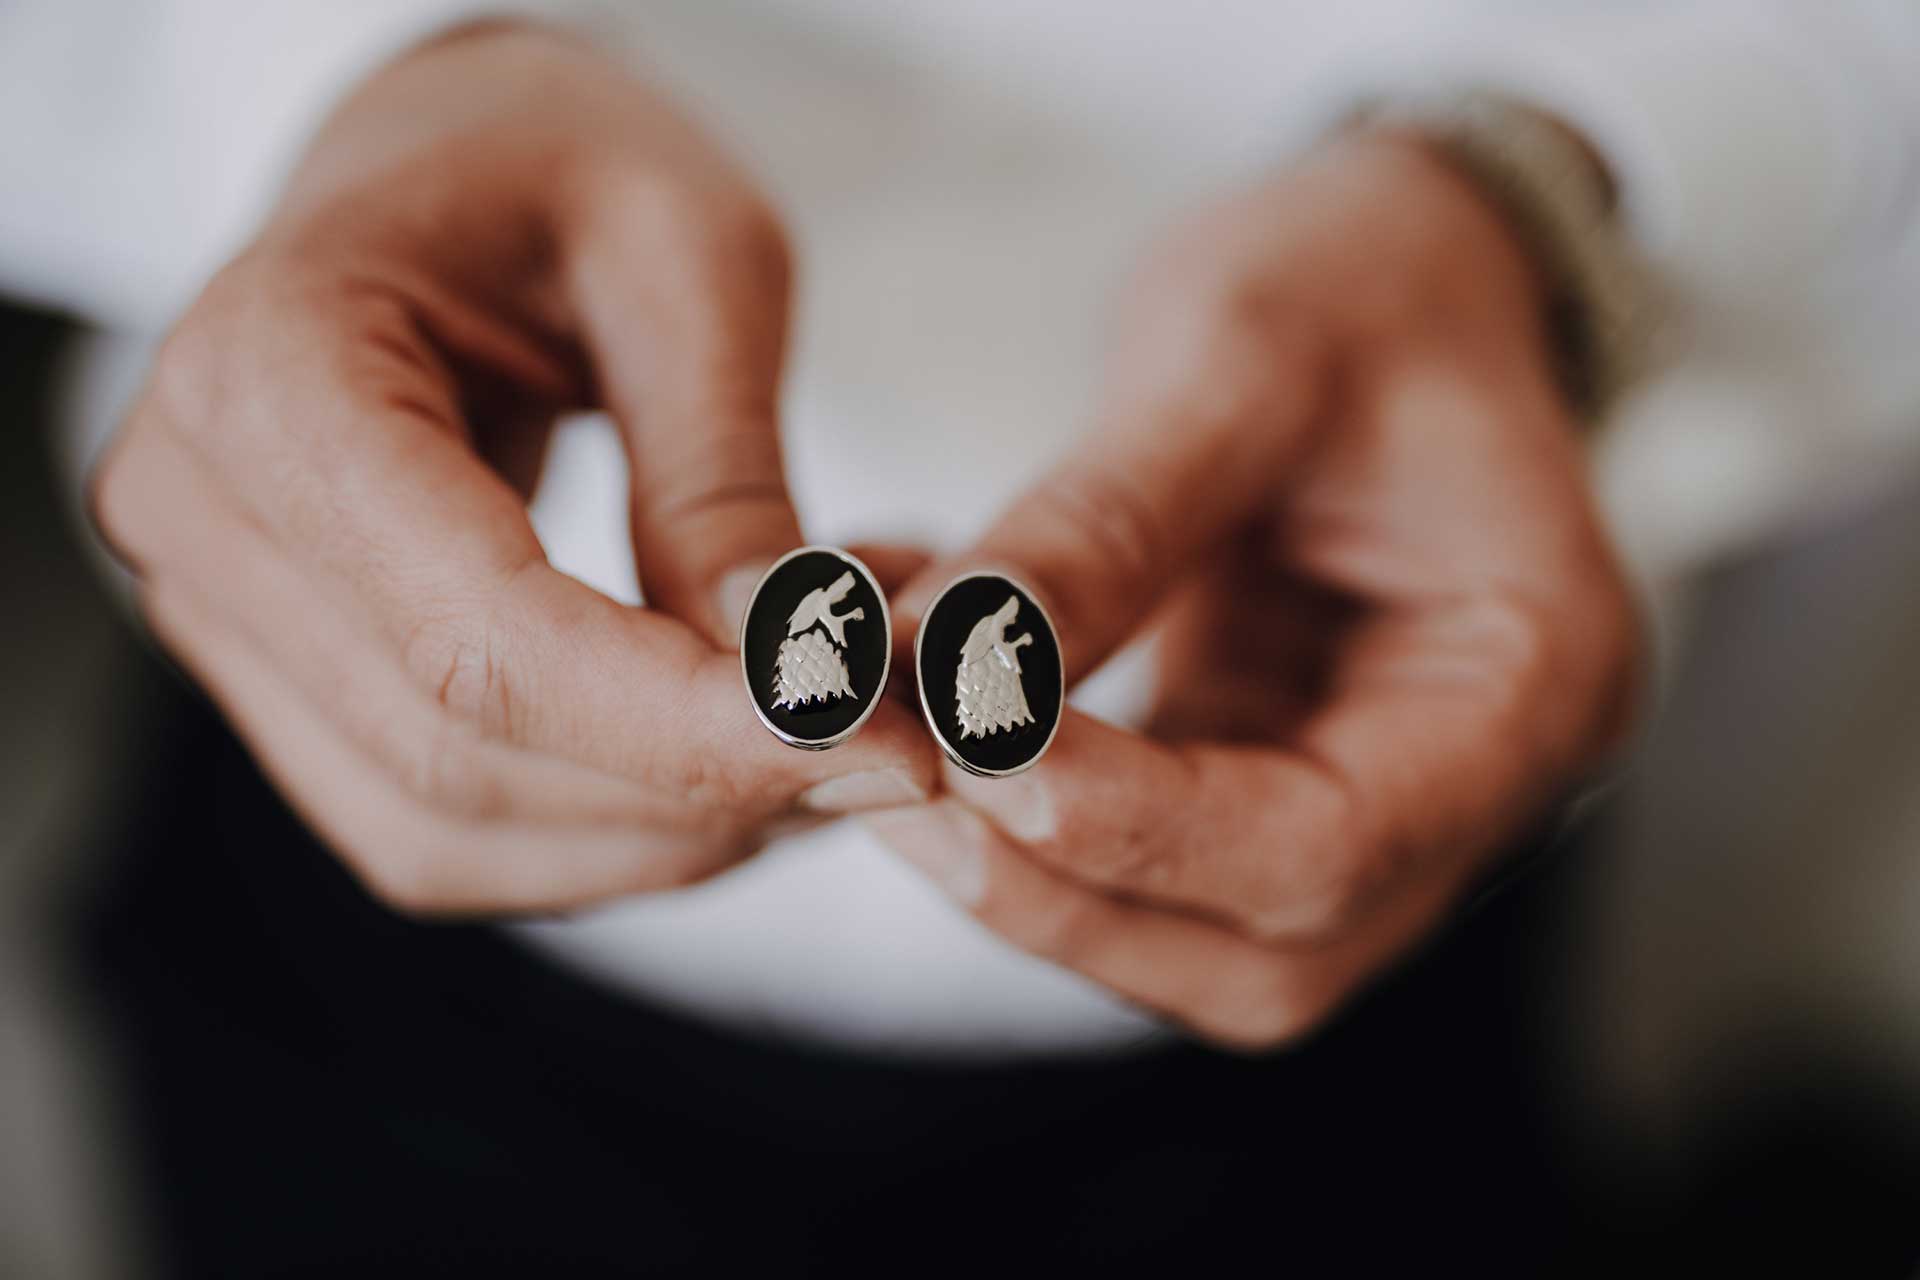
<point x="1194" y="437"/>
<point x="1249" y="837"/>
<point x="1240" y="652"/>
<point x="893" y="566"/>
<point x="1217" y="983"/>
<point x="333" y="661"/>
<point x="683" y="298"/>
<point x="367" y="479"/>
<point x="1425" y="758"/>
<point x="412" y="857"/>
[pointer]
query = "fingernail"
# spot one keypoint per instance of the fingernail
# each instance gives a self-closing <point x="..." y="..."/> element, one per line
<point x="1022" y="806"/>
<point x="944" y="841"/>
<point x="858" y="792"/>
<point x="734" y="592"/>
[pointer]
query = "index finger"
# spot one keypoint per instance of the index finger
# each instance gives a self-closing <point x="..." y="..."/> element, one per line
<point x="353" y="458"/>
<point x="1189" y="442"/>
<point x="1419" y="764"/>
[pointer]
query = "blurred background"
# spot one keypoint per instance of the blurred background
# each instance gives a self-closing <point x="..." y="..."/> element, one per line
<point x="1684" y="1028"/>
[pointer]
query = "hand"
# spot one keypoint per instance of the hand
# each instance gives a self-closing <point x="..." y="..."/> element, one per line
<point x="323" y="489"/>
<point x="1331" y="453"/>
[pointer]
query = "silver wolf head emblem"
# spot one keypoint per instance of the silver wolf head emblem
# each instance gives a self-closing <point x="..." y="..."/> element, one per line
<point x="808" y="668"/>
<point x="987" y="686"/>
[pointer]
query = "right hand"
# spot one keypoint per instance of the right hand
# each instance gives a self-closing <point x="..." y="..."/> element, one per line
<point x="323" y="490"/>
<point x="1333" y="475"/>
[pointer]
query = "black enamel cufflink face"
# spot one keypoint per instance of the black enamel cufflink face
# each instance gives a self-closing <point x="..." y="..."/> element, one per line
<point x="815" y="647"/>
<point x="991" y="683"/>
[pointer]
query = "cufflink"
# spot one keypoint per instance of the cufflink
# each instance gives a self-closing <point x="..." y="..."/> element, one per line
<point x="991" y="682"/>
<point x="815" y="647"/>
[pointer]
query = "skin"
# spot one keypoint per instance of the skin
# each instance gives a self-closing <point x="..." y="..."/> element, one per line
<point x="323" y="489"/>
<point x="1329" y="471"/>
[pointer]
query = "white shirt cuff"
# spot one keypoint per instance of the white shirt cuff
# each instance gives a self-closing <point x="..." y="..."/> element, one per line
<point x="1745" y="153"/>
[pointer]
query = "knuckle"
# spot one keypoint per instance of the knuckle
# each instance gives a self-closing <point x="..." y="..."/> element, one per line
<point x="745" y="228"/>
<point x="1324" y="912"/>
<point x="1524" y="636"/>
<point x="708" y="785"/>
<point x="1109" y="516"/>
<point x="729" y="790"/>
<point x="189" y="378"/>
<point x="736" y="465"/>
<point x="1274" y="1017"/>
<point x="185" y="371"/>
<point x="461" y="659"/>
<point x="1560" y="675"/>
<point x="718" y="218"/>
<point x="1347" y="896"/>
<point x="1142" y="852"/>
<point x="411" y="878"/>
<point x="1510" y="639"/>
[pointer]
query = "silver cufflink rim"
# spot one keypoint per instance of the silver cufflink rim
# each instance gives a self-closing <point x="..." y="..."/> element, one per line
<point x="948" y="748"/>
<point x="760" y="711"/>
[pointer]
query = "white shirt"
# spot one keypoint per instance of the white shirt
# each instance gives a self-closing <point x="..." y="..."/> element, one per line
<point x="937" y="161"/>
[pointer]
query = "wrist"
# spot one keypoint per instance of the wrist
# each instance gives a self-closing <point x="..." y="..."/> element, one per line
<point x="1557" y="195"/>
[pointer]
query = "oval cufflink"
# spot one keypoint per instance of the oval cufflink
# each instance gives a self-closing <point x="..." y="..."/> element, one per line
<point x="815" y="647"/>
<point x="992" y="685"/>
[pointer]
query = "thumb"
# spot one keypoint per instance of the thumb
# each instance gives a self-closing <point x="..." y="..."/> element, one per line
<point x="684" y="301"/>
<point x="1186" y="449"/>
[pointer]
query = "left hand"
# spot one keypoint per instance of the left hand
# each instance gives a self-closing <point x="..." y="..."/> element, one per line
<point x="322" y="492"/>
<point x="1331" y="451"/>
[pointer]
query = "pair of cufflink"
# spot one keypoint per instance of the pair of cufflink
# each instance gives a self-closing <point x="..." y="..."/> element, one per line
<point x="816" y="645"/>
